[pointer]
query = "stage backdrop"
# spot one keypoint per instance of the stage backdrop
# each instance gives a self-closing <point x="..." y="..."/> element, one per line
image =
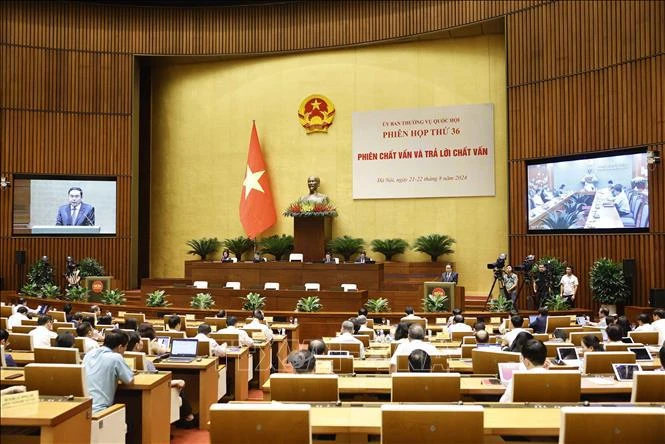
<point x="441" y="151"/>
<point x="202" y="119"/>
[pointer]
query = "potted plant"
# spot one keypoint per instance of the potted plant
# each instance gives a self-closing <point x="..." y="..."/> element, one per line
<point x="389" y="247"/>
<point x="309" y="304"/>
<point x="76" y="294"/>
<point x="90" y="267"/>
<point x="436" y="301"/>
<point x="41" y="273"/>
<point x="238" y="245"/>
<point x="554" y="269"/>
<point x="501" y="303"/>
<point x="278" y="246"/>
<point x="347" y="246"/>
<point x="50" y="291"/>
<point x="434" y="245"/>
<point x="378" y="305"/>
<point x="31" y="289"/>
<point x="203" y="247"/>
<point x="202" y="301"/>
<point x="557" y="302"/>
<point x="608" y="284"/>
<point x="157" y="299"/>
<point x="253" y="301"/>
<point x="113" y="297"/>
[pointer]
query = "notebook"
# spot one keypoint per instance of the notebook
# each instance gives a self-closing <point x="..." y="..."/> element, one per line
<point x="641" y="353"/>
<point x="624" y="372"/>
<point x="183" y="350"/>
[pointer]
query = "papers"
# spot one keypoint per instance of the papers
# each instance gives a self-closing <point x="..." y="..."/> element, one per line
<point x="19" y="399"/>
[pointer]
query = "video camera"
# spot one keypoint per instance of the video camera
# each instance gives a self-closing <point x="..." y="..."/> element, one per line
<point x="498" y="265"/>
<point x="527" y="264"/>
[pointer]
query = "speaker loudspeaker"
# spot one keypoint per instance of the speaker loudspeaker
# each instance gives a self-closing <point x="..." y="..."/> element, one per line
<point x="657" y="297"/>
<point x="19" y="257"/>
<point x="629" y="268"/>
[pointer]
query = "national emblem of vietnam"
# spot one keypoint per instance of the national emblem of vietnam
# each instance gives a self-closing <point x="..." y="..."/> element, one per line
<point x="316" y="113"/>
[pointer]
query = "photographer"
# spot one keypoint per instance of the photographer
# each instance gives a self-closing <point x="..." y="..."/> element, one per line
<point x="510" y="281"/>
<point x="541" y="285"/>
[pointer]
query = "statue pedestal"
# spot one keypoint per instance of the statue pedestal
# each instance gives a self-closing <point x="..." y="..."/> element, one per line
<point x="311" y="234"/>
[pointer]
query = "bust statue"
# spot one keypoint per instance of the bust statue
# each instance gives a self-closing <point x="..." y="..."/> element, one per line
<point x="314" y="196"/>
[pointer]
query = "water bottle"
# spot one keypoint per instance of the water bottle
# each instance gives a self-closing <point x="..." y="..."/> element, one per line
<point x="429" y="333"/>
<point x="380" y="337"/>
<point x="388" y="322"/>
<point x="388" y="338"/>
<point x="283" y="331"/>
<point x="295" y="321"/>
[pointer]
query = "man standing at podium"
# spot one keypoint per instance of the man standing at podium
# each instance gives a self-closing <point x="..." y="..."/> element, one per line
<point x="449" y="275"/>
<point x="76" y="212"/>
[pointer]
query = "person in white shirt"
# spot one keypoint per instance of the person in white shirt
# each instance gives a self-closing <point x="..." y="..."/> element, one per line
<point x="621" y="201"/>
<point x="202" y="335"/>
<point x="644" y="323"/>
<point x="18" y="317"/>
<point x="42" y="334"/>
<point x="258" y="323"/>
<point x="84" y="330"/>
<point x="568" y="286"/>
<point x="509" y="337"/>
<point x="22" y="303"/>
<point x="409" y="314"/>
<point x="459" y="325"/>
<point x="416" y="336"/>
<point x="659" y="324"/>
<point x="603" y="313"/>
<point x="174" y="323"/>
<point x="534" y="354"/>
<point x="347" y="336"/>
<point x="243" y="338"/>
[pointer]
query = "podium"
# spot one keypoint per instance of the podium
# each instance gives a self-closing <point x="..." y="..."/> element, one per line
<point x="311" y="234"/>
<point x="450" y="289"/>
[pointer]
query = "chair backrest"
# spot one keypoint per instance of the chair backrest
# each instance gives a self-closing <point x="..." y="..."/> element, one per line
<point x="466" y="350"/>
<point x="138" y="317"/>
<point x="3" y="323"/>
<point x="576" y="337"/>
<point x="218" y="323"/>
<point x="341" y="365"/>
<point x="349" y="287"/>
<point x="439" y="363"/>
<point x="231" y="339"/>
<point x="304" y="387"/>
<point x="431" y="423"/>
<point x="233" y="284"/>
<point x="542" y="337"/>
<point x="139" y="359"/>
<point x="29" y="322"/>
<point x="363" y="338"/>
<point x="601" y="362"/>
<point x="425" y="387"/>
<point x="648" y="387"/>
<point x="459" y="335"/>
<point x="420" y="321"/>
<point x="486" y="361"/>
<point x="644" y="337"/>
<point x="471" y="321"/>
<point x="554" y="322"/>
<point x="87" y="314"/>
<point x="200" y="284"/>
<point x="552" y="347"/>
<point x="23" y="329"/>
<point x="611" y="424"/>
<point x="555" y="386"/>
<point x="190" y="332"/>
<point x="173" y="334"/>
<point x="79" y="344"/>
<point x="312" y="286"/>
<point x="621" y="347"/>
<point x="271" y="286"/>
<point x="146" y="346"/>
<point x="352" y="347"/>
<point x="6" y="311"/>
<point x="3" y="360"/>
<point x="56" y="379"/>
<point x="296" y="257"/>
<point x="70" y="330"/>
<point x="57" y="355"/>
<point x="260" y="423"/>
<point x="469" y="340"/>
<point x="20" y="341"/>
<point x="58" y="316"/>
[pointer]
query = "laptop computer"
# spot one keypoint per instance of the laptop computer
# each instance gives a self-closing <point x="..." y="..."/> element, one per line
<point x="627" y="340"/>
<point x="641" y="353"/>
<point x="581" y="320"/>
<point x="624" y="372"/>
<point x="183" y="350"/>
<point x="164" y="341"/>
<point x="567" y="354"/>
<point x="506" y="370"/>
<point x="489" y="346"/>
<point x="532" y="318"/>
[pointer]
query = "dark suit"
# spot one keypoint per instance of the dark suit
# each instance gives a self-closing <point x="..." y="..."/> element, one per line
<point x="86" y="215"/>
<point x="366" y="260"/>
<point x="539" y="324"/>
<point x="449" y="277"/>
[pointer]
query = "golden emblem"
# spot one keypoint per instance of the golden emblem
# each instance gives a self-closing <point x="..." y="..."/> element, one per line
<point x="316" y="113"/>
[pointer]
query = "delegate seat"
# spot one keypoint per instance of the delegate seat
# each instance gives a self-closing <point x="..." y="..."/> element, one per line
<point x="612" y="425"/>
<point x="644" y="337"/>
<point x="554" y="322"/>
<point x="304" y="387"/>
<point x="425" y="387"/>
<point x="138" y="317"/>
<point x="485" y="362"/>
<point x="352" y="347"/>
<point x="576" y="337"/>
<point x="20" y="341"/>
<point x="340" y="365"/>
<point x="431" y="423"/>
<point x="312" y="286"/>
<point x="601" y="362"/>
<point x="558" y="386"/>
<point x="200" y="284"/>
<point x="57" y="355"/>
<point x="648" y="387"/>
<point x="296" y="257"/>
<point x="271" y="286"/>
<point x="439" y="363"/>
<point x="233" y="285"/>
<point x="349" y="287"/>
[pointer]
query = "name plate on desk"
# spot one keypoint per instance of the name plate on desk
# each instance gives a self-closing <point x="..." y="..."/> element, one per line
<point x="19" y="399"/>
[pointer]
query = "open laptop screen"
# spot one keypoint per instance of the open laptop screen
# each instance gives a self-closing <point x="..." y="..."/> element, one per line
<point x="183" y="347"/>
<point x="641" y="353"/>
<point x="566" y="353"/>
<point x="624" y="372"/>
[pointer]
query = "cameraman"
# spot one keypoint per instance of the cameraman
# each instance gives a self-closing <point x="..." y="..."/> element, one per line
<point x="510" y="280"/>
<point x="541" y="285"/>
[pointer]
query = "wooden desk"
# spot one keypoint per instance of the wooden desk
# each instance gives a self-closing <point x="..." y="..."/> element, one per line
<point x="58" y="420"/>
<point x="237" y="372"/>
<point x="292" y="333"/>
<point x="148" y="407"/>
<point x="280" y="351"/>
<point x="262" y="354"/>
<point x="23" y="357"/>
<point x="200" y="377"/>
<point x="601" y="216"/>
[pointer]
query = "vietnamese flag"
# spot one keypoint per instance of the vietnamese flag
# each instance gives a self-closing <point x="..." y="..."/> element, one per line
<point x="257" y="209"/>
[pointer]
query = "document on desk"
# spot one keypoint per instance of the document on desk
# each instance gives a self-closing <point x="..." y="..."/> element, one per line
<point x="19" y="400"/>
<point x="598" y="380"/>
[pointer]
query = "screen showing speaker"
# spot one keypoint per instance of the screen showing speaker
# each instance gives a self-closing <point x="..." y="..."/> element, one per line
<point x="608" y="192"/>
<point x="64" y="205"/>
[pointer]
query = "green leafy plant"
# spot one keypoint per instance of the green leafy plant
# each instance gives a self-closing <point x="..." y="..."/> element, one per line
<point x="378" y="305"/>
<point x="202" y="301"/>
<point x="560" y="221"/>
<point x="309" y="304"/>
<point x="557" y="303"/>
<point x="434" y="245"/>
<point x="253" y="301"/>
<point x="203" y="247"/>
<point x="157" y="299"/>
<point x="389" y="247"/>
<point x="50" y="291"/>
<point x="554" y="269"/>
<point x="41" y="273"/>
<point x="607" y="282"/>
<point x="90" y="267"/>
<point x="76" y="294"/>
<point x="113" y="297"/>
<point x="347" y="246"/>
<point x="276" y="245"/>
<point x="501" y="303"/>
<point x="31" y="289"/>
<point x="435" y="303"/>
<point x="239" y="245"/>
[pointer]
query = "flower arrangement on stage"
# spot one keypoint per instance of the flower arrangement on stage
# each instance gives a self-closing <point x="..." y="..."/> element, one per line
<point x="304" y="208"/>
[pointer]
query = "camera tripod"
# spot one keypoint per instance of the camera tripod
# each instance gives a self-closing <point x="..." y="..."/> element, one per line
<point x="502" y="289"/>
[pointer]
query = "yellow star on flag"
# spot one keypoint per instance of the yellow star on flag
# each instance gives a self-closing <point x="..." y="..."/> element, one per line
<point x="251" y="181"/>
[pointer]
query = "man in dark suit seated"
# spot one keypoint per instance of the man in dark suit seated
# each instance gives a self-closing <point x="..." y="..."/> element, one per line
<point x="363" y="258"/>
<point x="329" y="259"/>
<point x="449" y="275"/>
<point x="540" y="323"/>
